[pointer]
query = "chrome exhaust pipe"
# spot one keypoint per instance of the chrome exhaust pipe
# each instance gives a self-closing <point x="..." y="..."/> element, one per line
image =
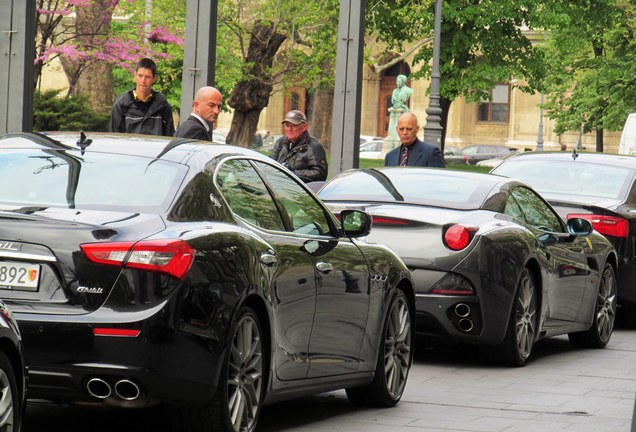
<point x="98" y="388"/>
<point x="465" y="325"/>
<point x="127" y="390"/>
<point x="462" y="310"/>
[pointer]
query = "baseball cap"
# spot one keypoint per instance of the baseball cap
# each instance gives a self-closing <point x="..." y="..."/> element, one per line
<point x="295" y="117"/>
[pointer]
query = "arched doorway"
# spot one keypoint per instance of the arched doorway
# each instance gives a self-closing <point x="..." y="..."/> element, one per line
<point x="387" y="85"/>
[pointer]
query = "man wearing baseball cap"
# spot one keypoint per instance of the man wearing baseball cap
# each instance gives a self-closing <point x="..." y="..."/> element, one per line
<point x="300" y="152"/>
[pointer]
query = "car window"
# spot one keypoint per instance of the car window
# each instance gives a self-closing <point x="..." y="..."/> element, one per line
<point x="306" y="215"/>
<point x="247" y="195"/>
<point x="529" y="207"/>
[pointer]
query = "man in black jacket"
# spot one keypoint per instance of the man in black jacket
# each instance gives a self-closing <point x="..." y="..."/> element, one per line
<point x="300" y="152"/>
<point x="205" y="110"/>
<point x="143" y="110"/>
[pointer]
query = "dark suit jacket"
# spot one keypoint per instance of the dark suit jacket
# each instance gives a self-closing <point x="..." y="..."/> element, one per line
<point x="193" y="128"/>
<point x="420" y="154"/>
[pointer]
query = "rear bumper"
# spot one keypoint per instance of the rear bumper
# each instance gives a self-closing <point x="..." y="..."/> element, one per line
<point x="164" y="363"/>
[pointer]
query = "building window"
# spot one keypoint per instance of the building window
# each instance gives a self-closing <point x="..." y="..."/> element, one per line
<point x="495" y="110"/>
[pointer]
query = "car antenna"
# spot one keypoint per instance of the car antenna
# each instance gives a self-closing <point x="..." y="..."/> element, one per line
<point x="82" y="143"/>
<point x="574" y="154"/>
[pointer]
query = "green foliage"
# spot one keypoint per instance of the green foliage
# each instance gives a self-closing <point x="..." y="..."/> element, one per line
<point x="52" y="112"/>
<point x="591" y="59"/>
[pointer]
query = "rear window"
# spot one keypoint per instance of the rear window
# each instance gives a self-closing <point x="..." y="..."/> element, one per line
<point x="570" y="178"/>
<point x="410" y="186"/>
<point x="54" y="178"/>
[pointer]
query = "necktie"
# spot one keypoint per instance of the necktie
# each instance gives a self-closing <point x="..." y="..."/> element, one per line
<point x="404" y="160"/>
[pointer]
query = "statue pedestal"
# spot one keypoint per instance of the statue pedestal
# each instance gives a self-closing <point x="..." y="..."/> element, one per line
<point x="393" y="140"/>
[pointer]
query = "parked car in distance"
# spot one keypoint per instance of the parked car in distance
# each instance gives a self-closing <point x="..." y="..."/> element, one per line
<point x="12" y="367"/>
<point x="367" y="138"/>
<point x="475" y="153"/>
<point x="372" y="150"/>
<point x="627" y="143"/>
<point x="208" y="277"/>
<point x="493" y="263"/>
<point x="596" y="186"/>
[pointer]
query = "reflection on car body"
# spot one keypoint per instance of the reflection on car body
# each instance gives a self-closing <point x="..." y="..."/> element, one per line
<point x="493" y="263"/>
<point x="204" y="276"/>
<point x="596" y="186"/>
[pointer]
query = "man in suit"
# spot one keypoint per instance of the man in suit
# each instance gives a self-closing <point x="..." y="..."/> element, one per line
<point x="413" y="152"/>
<point x="206" y="108"/>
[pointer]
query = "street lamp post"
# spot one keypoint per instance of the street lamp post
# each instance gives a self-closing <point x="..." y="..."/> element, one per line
<point x="540" y="132"/>
<point x="433" y="128"/>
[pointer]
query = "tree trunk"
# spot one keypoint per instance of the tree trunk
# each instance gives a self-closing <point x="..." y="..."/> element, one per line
<point x="251" y="95"/>
<point x="86" y="76"/>
<point x="96" y="82"/>
<point x="320" y="114"/>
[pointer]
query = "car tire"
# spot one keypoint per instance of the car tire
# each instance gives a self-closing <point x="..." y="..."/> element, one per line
<point x="237" y="403"/>
<point x="395" y="356"/>
<point x="600" y="333"/>
<point x="10" y="406"/>
<point x="522" y="325"/>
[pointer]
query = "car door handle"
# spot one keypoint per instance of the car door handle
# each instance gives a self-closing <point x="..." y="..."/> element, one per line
<point x="324" y="267"/>
<point x="269" y="259"/>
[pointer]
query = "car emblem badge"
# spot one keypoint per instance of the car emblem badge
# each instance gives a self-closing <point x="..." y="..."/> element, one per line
<point x="215" y="201"/>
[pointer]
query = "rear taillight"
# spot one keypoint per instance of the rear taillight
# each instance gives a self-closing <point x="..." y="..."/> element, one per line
<point x="457" y="237"/>
<point x="607" y="225"/>
<point x="116" y="332"/>
<point x="173" y="257"/>
<point x="383" y="220"/>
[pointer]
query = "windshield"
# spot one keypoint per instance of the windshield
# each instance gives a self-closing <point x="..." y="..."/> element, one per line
<point x="60" y="178"/>
<point x="571" y="178"/>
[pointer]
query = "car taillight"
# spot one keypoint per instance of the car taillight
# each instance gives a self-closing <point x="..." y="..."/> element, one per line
<point x="173" y="257"/>
<point x="607" y="225"/>
<point x="383" y="220"/>
<point x="457" y="237"/>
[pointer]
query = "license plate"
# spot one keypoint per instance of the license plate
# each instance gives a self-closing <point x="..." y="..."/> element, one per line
<point x="19" y="276"/>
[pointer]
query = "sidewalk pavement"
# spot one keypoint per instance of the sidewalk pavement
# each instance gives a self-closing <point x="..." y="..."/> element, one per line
<point x="562" y="388"/>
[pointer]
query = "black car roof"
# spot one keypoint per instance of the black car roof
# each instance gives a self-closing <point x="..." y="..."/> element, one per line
<point x="167" y="148"/>
<point x="589" y="157"/>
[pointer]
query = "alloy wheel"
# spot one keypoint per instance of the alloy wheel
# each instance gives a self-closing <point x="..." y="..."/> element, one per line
<point x="397" y="347"/>
<point x="606" y="306"/>
<point x="6" y="403"/>
<point x="245" y="373"/>
<point x="525" y="316"/>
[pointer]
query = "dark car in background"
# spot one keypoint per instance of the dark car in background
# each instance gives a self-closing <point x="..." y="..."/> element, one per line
<point x="476" y="153"/>
<point x="493" y="263"/>
<point x="598" y="187"/>
<point x="12" y="367"/>
<point x="204" y="276"/>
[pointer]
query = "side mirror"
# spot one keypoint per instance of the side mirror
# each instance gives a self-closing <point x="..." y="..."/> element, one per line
<point x="355" y="223"/>
<point x="579" y="227"/>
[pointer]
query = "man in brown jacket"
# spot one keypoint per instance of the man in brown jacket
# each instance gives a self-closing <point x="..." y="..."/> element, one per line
<point x="300" y="152"/>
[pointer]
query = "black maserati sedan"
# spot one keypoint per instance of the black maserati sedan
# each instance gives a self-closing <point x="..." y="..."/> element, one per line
<point x="146" y="270"/>
<point x="493" y="263"/>
<point x="599" y="187"/>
